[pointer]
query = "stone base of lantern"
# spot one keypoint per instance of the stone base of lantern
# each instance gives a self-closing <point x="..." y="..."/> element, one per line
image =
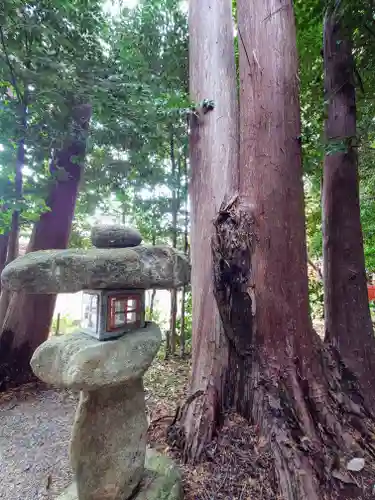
<point x="161" y="481"/>
<point x="109" y="435"/>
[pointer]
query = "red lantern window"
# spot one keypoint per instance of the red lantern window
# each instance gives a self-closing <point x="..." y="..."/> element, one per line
<point x="124" y="310"/>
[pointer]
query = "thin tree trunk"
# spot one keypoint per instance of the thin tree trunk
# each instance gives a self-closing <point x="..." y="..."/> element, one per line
<point x="57" y="331"/>
<point x="167" y="344"/>
<point x="182" y="327"/>
<point x="13" y="245"/>
<point x="175" y="208"/>
<point x="213" y="166"/>
<point x="347" y="316"/>
<point x="28" y="319"/>
<point x="318" y="272"/>
<point x="173" y="321"/>
<point x="186" y="251"/>
<point x="152" y="303"/>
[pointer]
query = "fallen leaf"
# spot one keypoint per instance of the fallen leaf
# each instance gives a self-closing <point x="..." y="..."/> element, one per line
<point x="355" y="464"/>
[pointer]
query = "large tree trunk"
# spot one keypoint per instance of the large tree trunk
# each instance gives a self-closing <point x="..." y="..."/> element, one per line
<point x="214" y="174"/>
<point x="29" y="317"/>
<point x="347" y="315"/>
<point x="309" y="414"/>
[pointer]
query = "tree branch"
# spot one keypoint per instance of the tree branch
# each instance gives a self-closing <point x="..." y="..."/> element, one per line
<point x="316" y="269"/>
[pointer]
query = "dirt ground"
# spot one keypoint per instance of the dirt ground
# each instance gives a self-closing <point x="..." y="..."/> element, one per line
<point x="35" y="426"/>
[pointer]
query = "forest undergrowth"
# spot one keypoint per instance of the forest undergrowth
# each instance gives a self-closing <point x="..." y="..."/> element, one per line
<point x="235" y="465"/>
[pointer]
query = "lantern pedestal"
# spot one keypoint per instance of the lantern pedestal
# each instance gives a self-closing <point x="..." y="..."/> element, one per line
<point x="108" y="447"/>
<point x="108" y="444"/>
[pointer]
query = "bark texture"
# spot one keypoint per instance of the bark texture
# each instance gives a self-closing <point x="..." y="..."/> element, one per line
<point x="152" y="303"/>
<point x="29" y="317"/>
<point x="214" y="175"/>
<point x="300" y="393"/>
<point x="347" y="316"/>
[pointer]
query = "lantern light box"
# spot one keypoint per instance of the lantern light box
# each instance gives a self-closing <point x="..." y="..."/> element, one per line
<point x="107" y="314"/>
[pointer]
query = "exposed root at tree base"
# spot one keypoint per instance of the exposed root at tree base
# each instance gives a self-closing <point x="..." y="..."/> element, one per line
<point x="10" y="379"/>
<point x="13" y="375"/>
<point x="236" y="466"/>
<point x="15" y="369"/>
<point x="309" y="426"/>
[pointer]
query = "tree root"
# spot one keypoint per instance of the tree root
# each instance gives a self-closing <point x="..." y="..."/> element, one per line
<point x="313" y="430"/>
<point x="15" y="367"/>
<point x="175" y="433"/>
<point x="311" y="427"/>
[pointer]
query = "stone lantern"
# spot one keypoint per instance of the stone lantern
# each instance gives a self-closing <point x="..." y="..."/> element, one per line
<point x="109" y="461"/>
<point x="107" y="314"/>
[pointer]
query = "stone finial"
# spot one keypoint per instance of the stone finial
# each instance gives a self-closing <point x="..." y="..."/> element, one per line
<point x="69" y="271"/>
<point x="115" y="236"/>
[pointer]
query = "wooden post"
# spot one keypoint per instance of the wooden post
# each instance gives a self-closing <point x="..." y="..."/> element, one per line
<point x="57" y="331"/>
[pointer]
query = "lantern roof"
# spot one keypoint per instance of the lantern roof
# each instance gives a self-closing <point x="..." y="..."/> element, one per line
<point x="120" y="263"/>
<point x="69" y="271"/>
